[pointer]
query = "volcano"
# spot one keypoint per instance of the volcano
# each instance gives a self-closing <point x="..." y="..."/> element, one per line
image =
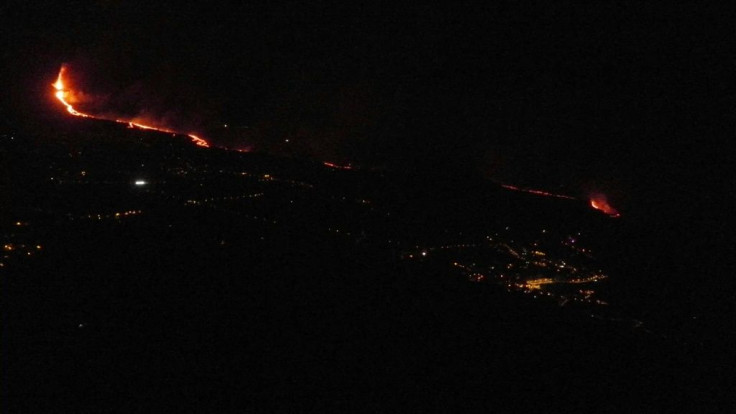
<point x="66" y="97"/>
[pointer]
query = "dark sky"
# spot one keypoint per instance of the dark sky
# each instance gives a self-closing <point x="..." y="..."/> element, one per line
<point x="611" y="96"/>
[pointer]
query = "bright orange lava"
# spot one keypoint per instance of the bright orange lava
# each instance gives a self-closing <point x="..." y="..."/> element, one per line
<point x="63" y="93"/>
<point x="599" y="202"/>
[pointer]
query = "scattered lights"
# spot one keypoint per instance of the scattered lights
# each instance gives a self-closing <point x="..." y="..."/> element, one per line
<point x="116" y="215"/>
<point x="525" y="269"/>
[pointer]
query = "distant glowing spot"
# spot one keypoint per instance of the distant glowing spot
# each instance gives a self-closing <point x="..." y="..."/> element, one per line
<point x="141" y="182"/>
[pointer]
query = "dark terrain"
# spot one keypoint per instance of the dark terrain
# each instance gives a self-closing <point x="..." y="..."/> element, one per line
<point x="245" y="282"/>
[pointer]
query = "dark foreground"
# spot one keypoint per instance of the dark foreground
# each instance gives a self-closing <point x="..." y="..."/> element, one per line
<point x="259" y="307"/>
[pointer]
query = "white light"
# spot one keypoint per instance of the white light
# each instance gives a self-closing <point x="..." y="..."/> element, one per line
<point x="140" y="182"/>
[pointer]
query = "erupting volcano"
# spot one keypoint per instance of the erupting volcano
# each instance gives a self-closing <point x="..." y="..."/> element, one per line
<point x="597" y="201"/>
<point x="600" y="202"/>
<point x="65" y="95"/>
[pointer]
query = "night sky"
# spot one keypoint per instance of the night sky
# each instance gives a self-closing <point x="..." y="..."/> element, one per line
<point x="614" y="97"/>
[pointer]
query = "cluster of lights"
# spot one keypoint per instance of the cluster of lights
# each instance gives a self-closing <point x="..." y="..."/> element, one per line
<point x="107" y="216"/>
<point x="17" y="250"/>
<point x="517" y="273"/>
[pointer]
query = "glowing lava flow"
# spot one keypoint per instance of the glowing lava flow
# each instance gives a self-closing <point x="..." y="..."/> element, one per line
<point x="62" y="94"/>
<point x="599" y="202"/>
<point x="536" y="192"/>
<point x="337" y="166"/>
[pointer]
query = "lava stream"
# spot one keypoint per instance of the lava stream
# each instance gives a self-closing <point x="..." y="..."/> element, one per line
<point x="597" y="201"/>
<point x="338" y="166"/>
<point x="62" y="94"/>
<point x="536" y="192"/>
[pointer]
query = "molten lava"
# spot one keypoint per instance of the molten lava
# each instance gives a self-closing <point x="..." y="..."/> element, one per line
<point x="536" y="192"/>
<point x="63" y="94"/>
<point x="597" y="201"/>
<point x="600" y="202"/>
<point x="338" y="166"/>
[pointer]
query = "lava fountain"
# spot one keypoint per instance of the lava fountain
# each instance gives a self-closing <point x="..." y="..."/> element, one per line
<point x="63" y="94"/>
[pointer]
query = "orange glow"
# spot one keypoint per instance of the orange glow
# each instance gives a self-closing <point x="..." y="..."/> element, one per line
<point x="536" y="192"/>
<point x="198" y="141"/>
<point x="63" y="93"/>
<point x="337" y="166"/>
<point x="600" y="202"/>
